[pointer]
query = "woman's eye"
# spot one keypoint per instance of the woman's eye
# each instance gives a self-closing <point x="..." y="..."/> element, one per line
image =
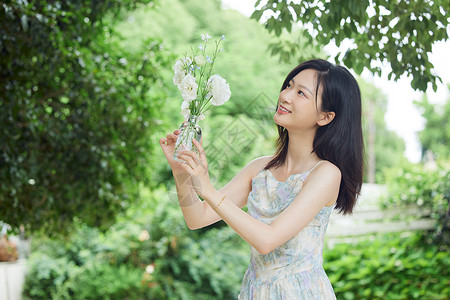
<point x="301" y="93"/>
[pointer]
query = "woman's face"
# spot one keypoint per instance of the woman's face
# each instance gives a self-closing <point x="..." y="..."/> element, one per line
<point x="299" y="99"/>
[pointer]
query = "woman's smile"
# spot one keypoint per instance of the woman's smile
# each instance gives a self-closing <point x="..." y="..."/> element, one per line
<point x="282" y="110"/>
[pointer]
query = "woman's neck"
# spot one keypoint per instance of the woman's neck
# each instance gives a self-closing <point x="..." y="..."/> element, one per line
<point x="299" y="156"/>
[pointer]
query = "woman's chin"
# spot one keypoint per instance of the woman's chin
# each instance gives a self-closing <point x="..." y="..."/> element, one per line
<point x="277" y="120"/>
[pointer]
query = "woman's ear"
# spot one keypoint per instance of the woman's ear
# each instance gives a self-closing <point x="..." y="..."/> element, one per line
<point x="326" y="118"/>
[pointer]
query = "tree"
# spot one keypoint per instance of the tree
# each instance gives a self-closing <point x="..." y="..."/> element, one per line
<point x="400" y="32"/>
<point x="76" y="111"/>
<point x="384" y="148"/>
<point x="435" y="137"/>
<point x="243" y="129"/>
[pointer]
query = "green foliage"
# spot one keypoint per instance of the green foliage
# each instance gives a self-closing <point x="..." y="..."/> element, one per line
<point x="387" y="146"/>
<point x="76" y="112"/>
<point x="60" y="278"/>
<point x="243" y="128"/>
<point x="427" y="189"/>
<point x="435" y="137"/>
<point x="150" y="254"/>
<point x="399" y="32"/>
<point x="244" y="61"/>
<point x="49" y="277"/>
<point x="209" y="264"/>
<point x="287" y="47"/>
<point x="390" y="266"/>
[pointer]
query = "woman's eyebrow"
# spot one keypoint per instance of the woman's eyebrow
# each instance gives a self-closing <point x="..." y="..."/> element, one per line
<point x="304" y="87"/>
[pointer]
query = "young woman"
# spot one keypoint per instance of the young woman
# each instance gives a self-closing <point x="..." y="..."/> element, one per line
<point x="317" y="167"/>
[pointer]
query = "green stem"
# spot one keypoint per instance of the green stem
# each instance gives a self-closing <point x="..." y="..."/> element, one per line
<point x="206" y="109"/>
<point x="197" y="106"/>
<point x="203" y="105"/>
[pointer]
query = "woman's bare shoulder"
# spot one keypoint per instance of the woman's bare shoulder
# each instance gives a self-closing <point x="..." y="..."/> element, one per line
<point x="327" y="169"/>
<point x="257" y="164"/>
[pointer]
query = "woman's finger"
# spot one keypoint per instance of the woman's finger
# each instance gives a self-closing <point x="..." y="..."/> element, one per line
<point x="186" y="168"/>
<point x="192" y="154"/>
<point x="189" y="159"/>
<point x="201" y="151"/>
<point x="172" y="137"/>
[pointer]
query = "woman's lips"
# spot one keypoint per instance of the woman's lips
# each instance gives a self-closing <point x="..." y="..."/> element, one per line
<point x="282" y="110"/>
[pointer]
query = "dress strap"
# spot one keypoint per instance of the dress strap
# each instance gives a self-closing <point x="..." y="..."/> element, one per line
<point x="315" y="166"/>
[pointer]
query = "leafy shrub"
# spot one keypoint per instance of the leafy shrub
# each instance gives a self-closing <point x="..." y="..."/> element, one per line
<point x="427" y="189"/>
<point x="389" y="266"/>
<point x="83" y="267"/>
<point x="48" y="277"/>
<point x="148" y="255"/>
<point x="77" y="111"/>
<point x="99" y="280"/>
<point x="151" y="254"/>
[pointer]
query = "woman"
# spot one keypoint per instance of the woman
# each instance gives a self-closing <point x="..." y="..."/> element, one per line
<point x="317" y="167"/>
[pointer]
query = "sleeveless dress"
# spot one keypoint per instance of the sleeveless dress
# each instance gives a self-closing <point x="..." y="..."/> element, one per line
<point x="293" y="270"/>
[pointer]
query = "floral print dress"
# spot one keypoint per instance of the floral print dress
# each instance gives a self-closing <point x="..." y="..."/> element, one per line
<point x="293" y="270"/>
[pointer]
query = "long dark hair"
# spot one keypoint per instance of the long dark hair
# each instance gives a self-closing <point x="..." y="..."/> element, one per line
<point x="340" y="141"/>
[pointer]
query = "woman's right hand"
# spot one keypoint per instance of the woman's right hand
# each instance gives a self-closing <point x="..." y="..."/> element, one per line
<point x="168" y="146"/>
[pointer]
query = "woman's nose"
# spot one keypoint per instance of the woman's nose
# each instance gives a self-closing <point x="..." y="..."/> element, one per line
<point x="286" y="97"/>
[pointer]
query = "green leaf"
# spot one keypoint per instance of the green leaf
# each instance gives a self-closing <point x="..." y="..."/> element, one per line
<point x="257" y="14"/>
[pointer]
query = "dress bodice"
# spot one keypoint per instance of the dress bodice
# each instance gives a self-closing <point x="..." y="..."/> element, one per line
<point x="270" y="276"/>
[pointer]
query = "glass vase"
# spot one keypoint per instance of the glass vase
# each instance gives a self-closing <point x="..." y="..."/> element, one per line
<point x="190" y="130"/>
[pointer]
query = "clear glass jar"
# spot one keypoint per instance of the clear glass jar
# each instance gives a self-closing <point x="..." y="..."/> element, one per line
<point x="189" y="130"/>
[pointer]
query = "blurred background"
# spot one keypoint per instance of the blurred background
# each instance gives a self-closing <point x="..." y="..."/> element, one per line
<point x="88" y="207"/>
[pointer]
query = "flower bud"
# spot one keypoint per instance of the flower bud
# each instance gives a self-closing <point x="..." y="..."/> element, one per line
<point x="200" y="60"/>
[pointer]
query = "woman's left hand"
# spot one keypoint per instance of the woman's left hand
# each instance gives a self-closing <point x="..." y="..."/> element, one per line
<point x="197" y="167"/>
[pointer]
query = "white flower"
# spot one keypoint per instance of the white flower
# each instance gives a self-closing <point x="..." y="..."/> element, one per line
<point x="185" y="104"/>
<point x="150" y="269"/>
<point x="182" y="64"/>
<point x="185" y="108"/>
<point x="223" y="37"/>
<point x="123" y="61"/>
<point x="200" y="60"/>
<point x="219" y="90"/>
<point x="180" y="69"/>
<point x="201" y="117"/>
<point x="188" y="88"/>
<point x="205" y="36"/>
<point x="186" y="113"/>
<point x="178" y="78"/>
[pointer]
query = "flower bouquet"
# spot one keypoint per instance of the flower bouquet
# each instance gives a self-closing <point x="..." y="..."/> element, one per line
<point x="200" y="91"/>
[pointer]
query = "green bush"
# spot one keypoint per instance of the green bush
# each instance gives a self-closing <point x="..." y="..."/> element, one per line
<point x="148" y="255"/>
<point x="48" y="277"/>
<point x="426" y="189"/>
<point x="389" y="266"/>
<point x="77" y="113"/>
<point x="85" y="266"/>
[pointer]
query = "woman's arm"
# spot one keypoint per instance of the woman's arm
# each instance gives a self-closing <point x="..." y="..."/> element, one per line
<point x="197" y="213"/>
<point x="321" y="188"/>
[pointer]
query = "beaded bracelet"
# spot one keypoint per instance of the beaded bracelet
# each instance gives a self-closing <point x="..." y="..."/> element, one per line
<point x="220" y="202"/>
